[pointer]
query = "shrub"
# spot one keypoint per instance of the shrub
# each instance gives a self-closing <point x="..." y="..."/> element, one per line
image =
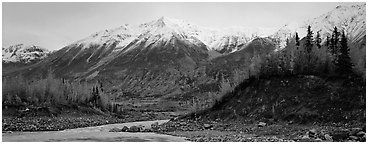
<point x="52" y="91"/>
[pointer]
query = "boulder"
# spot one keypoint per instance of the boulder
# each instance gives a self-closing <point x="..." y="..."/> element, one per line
<point x="115" y="130"/>
<point x="305" y="138"/>
<point x="353" y="138"/>
<point x="155" y="126"/>
<point x="340" y="135"/>
<point x="133" y="129"/>
<point x="125" y="129"/>
<point x="207" y="126"/>
<point x="141" y="127"/>
<point x="328" y="138"/>
<point x="360" y="134"/>
<point x="10" y="132"/>
<point x="362" y="139"/>
<point x="147" y="130"/>
<point x="290" y="122"/>
<point x="318" y="140"/>
<point x="354" y="131"/>
<point x="261" y="124"/>
<point x="312" y="133"/>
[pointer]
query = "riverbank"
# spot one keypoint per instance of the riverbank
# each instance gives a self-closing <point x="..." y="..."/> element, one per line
<point x="93" y="134"/>
<point x="69" y="118"/>
<point x="237" y="131"/>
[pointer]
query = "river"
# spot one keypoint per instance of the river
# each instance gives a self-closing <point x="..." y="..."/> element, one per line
<point x="93" y="134"/>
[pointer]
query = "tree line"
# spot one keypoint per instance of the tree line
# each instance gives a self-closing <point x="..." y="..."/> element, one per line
<point x="309" y="56"/>
<point x="51" y="91"/>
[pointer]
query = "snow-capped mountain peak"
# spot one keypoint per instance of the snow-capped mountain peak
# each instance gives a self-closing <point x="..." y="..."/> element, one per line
<point x="226" y="40"/>
<point x="23" y="53"/>
<point x="166" y="22"/>
<point x="164" y="29"/>
<point x="350" y="18"/>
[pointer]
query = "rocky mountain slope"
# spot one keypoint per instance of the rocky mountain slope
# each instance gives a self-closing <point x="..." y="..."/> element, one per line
<point x="350" y="18"/>
<point x="24" y="54"/>
<point x="221" y="40"/>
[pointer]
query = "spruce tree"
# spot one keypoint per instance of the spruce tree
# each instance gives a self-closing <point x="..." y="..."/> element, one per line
<point x="308" y="49"/>
<point x="344" y="65"/>
<point x="296" y="39"/>
<point x="335" y="42"/>
<point x="101" y="86"/>
<point x="97" y="93"/>
<point x="328" y="41"/>
<point x="97" y="97"/>
<point x="331" y="47"/>
<point x="318" y="40"/>
<point x="334" y="46"/>
<point x="309" y="40"/>
<point x="91" y="100"/>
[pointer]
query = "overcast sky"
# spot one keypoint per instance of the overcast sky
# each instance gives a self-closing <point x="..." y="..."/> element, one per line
<point x="55" y="25"/>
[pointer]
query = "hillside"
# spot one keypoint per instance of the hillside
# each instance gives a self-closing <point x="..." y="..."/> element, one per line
<point x="302" y="99"/>
<point x="282" y="109"/>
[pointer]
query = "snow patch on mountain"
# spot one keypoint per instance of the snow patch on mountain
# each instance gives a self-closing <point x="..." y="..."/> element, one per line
<point x="350" y="18"/>
<point x="226" y="40"/>
<point x="23" y="53"/>
<point x="164" y="29"/>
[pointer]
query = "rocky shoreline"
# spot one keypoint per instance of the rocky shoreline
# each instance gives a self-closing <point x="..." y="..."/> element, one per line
<point x="276" y="132"/>
<point x="261" y="132"/>
<point x="70" y="119"/>
<point x="54" y="123"/>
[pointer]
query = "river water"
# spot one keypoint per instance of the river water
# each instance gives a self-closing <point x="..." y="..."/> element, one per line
<point x="93" y="134"/>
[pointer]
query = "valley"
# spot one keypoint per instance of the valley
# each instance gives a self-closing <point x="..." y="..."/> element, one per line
<point x="170" y="80"/>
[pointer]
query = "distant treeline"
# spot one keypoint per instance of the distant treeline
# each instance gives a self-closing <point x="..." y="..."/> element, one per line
<point x="51" y="91"/>
<point x="310" y="56"/>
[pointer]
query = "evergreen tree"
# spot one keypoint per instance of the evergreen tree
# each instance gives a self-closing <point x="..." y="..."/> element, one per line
<point x="296" y="39"/>
<point x="318" y="40"/>
<point x="308" y="50"/>
<point x="97" y="93"/>
<point x="328" y="41"/>
<point x="101" y="86"/>
<point x="334" y="48"/>
<point x="344" y="65"/>
<point x="334" y="42"/>
<point x="97" y="98"/>
<point x="92" y="99"/>
<point x="309" y="40"/>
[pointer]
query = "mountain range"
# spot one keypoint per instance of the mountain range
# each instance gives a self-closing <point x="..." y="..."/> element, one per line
<point x="173" y="57"/>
